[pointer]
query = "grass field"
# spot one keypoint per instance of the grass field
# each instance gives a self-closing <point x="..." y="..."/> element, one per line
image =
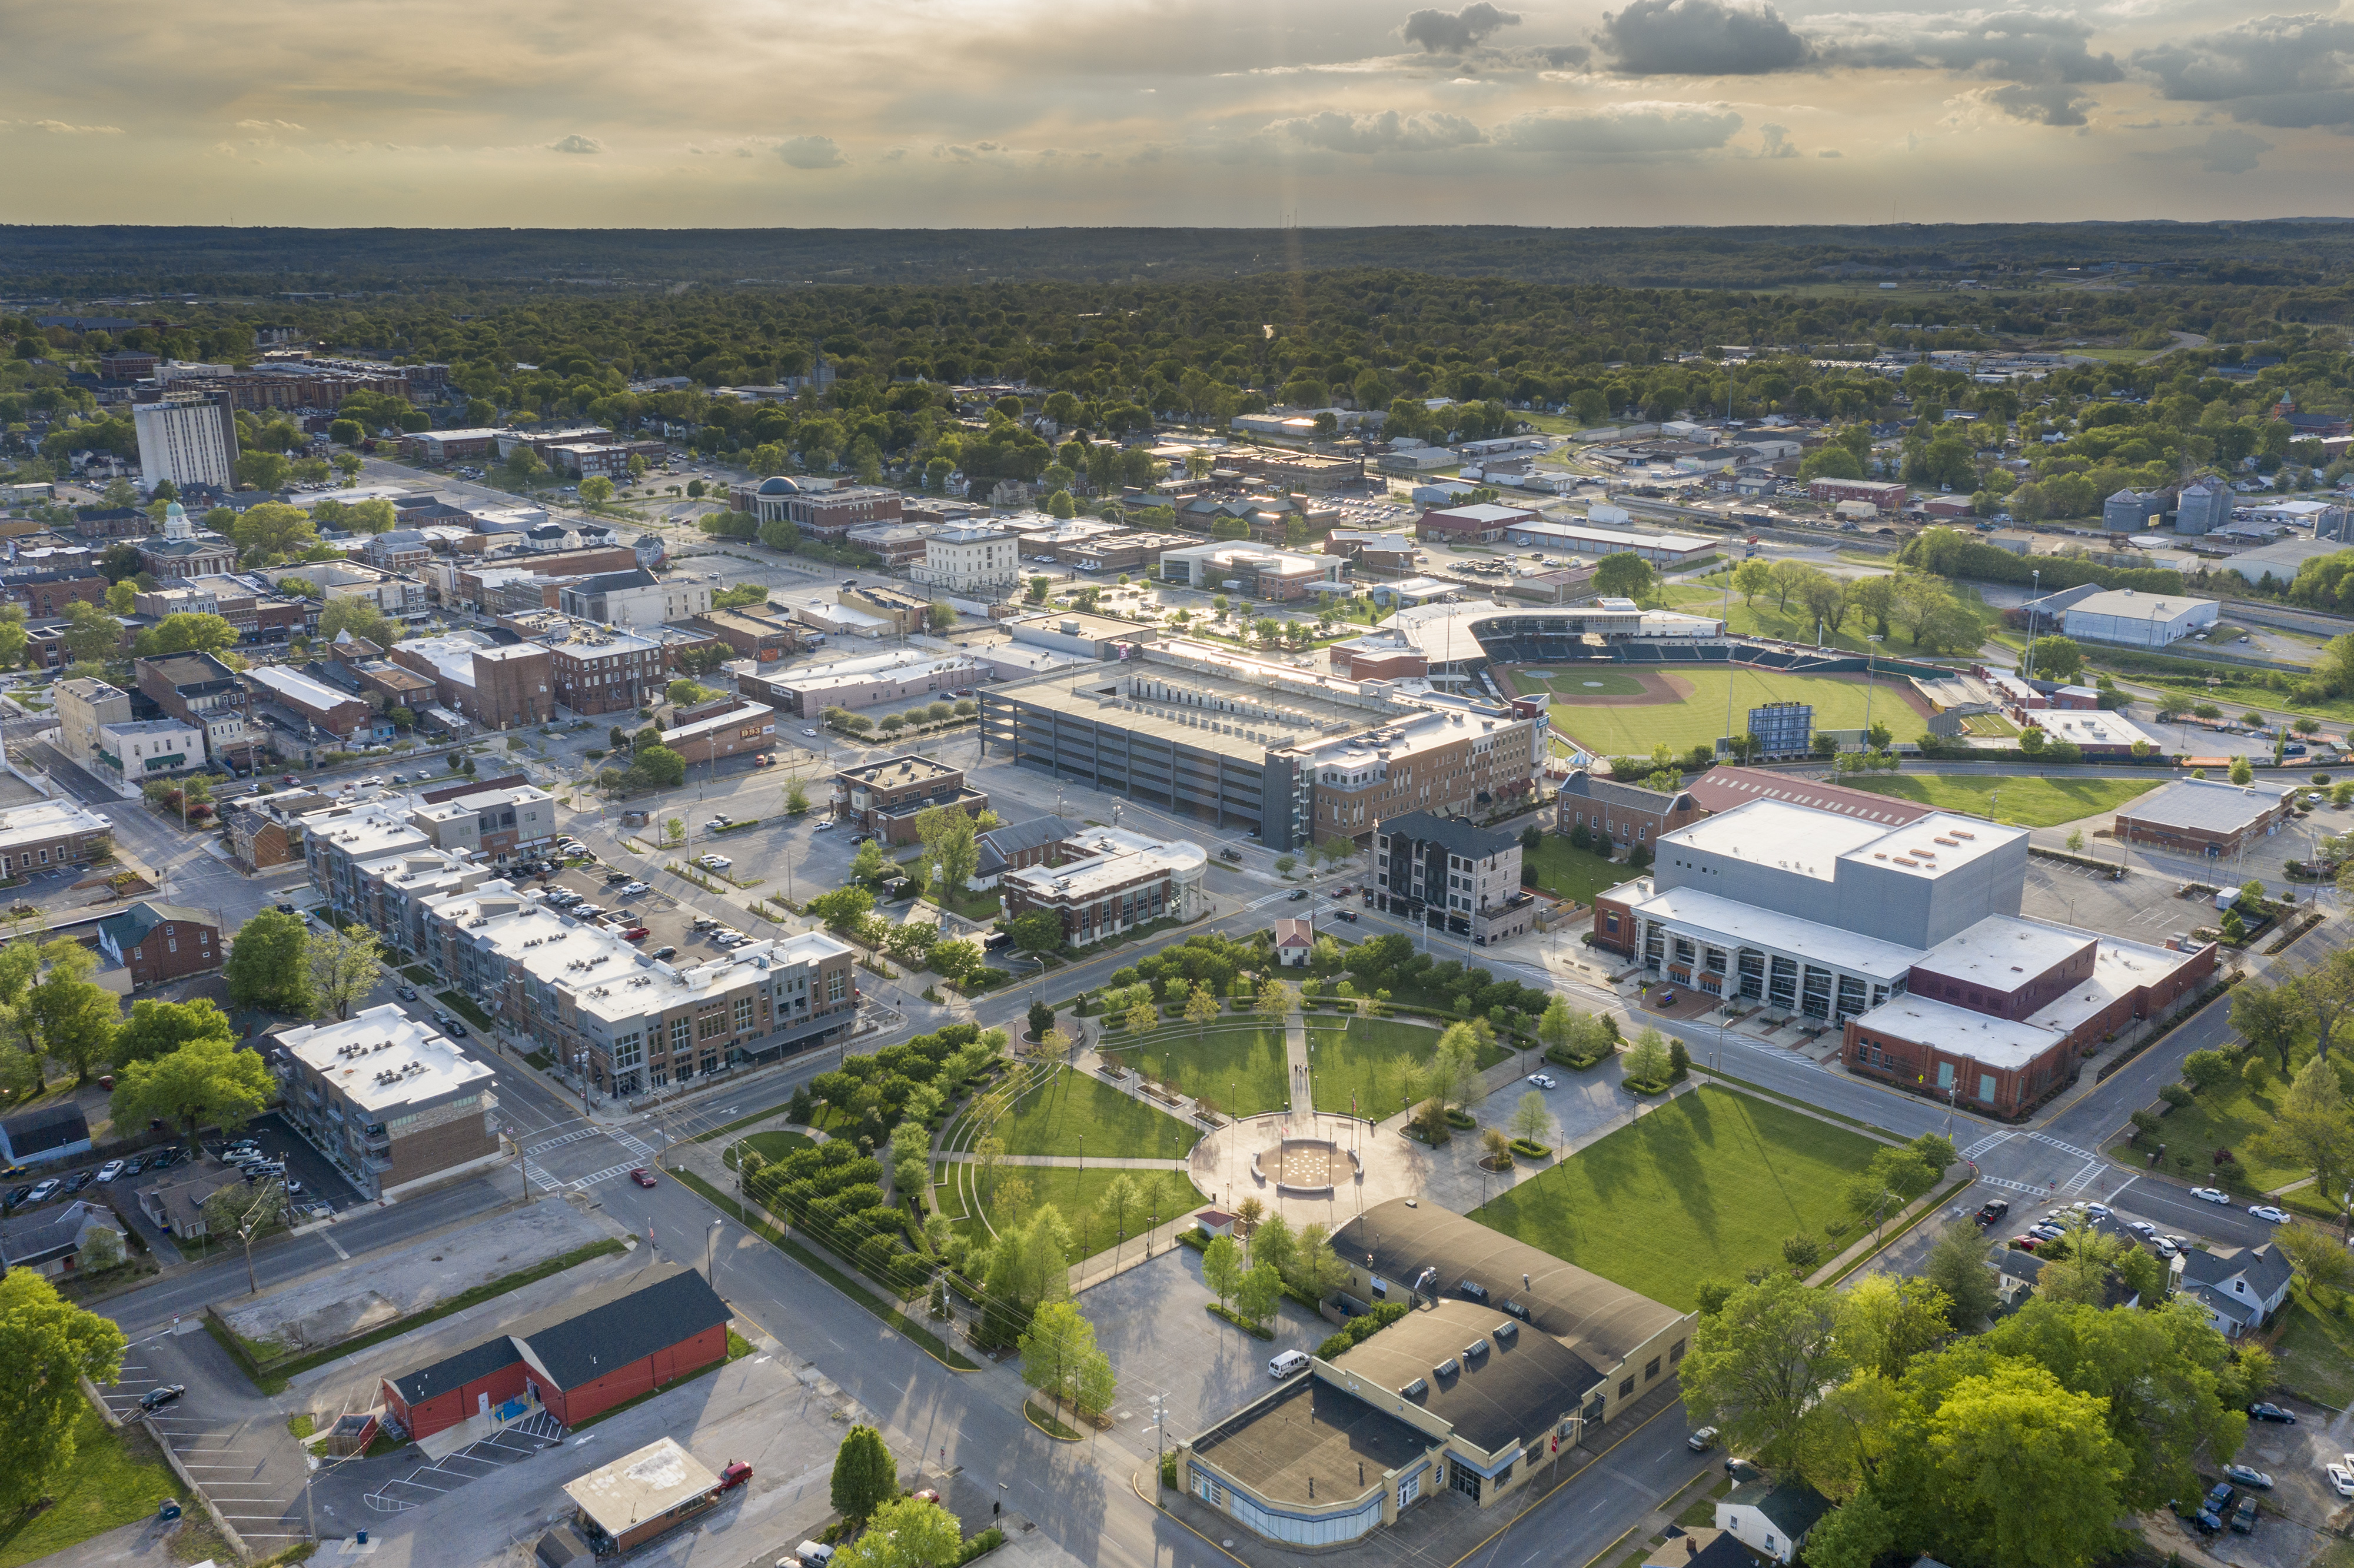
<point x="770" y="1146"/>
<point x="2225" y="1117"/>
<point x="1632" y="731"/>
<point x="1792" y="623"/>
<point x="115" y="1478"/>
<point x="1242" y="1069"/>
<point x="1600" y="681"/>
<point x="2316" y="1349"/>
<point x="1077" y="1114"/>
<point x="1362" y="1059"/>
<point x="1705" y="1187"/>
<point x="1076" y="1192"/>
<point x="2025" y="802"/>
<point x="1575" y="874"/>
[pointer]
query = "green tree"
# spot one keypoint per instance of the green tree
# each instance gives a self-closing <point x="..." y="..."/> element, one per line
<point x="1222" y="1270"/>
<point x="950" y="837"/>
<point x="869" y="864"/>
<point x="2055" y="658"/>
<point x="796" y="797"/>
<point x="1532" y="1117"/>
<point x="1060" y="1359"/>
<point x="49" y="1346"/>
<point x="2312" y="1130"/>
<point x="2317" y="1258"/>
<point x="94" y="634"/>
<point x="1625" y="575"/>
<point x="596" y="489"/>
<point x="1040" y="931"/>
<point x="2269" y="1018"/>
<point x="74" y="1019"/>
<point x="1260" y="1289"/>
<point x="203" y="1081"/>
<point x="360" y="617"/>
<point x="1646" y="1059"/>
<point x="158" y="1027"/>
<point x="1956" y="1267"/>
<point x="1759" y="1362"/>
<point x="1750" y="578"/>
<point x="865" y="1477"/>
<point x="345" y="967"/>
<point x="658" y="766"/>
<point x="906" y="1532"/>
<point x="268" y="967"/>
<point x="1884" y="1322"/>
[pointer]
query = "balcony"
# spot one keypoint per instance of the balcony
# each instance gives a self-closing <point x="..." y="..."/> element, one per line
<point x="376" y="1164"/>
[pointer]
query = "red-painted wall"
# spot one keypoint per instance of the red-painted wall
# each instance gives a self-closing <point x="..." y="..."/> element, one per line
<point x="573" y="1406"/>
<point x="454" y="1405"/>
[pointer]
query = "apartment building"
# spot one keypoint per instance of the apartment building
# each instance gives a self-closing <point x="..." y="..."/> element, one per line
<point x="136" y="750"/>
<point x="1451" y="876"/>
<point x="198" y="689"/>
<point x="389" y="1100"/>
<point x="1105" y="880"/>
<point x="85" y="705"/>
<point x="159" y="942"/>
<point x="635" y="598"/>
<point x="47" y="593"/>
<point x="884" y="798"/>
<point x="595" y="669"/>
<point x="492" y="822"/>
<point x="495" y="685"/>
<point x="1464" y="760"/>
<point x="258" y="617"/>
<point x="266" y="830"/>
<point x="464" y="582"/>
<point x="186" y="438"/>
<point x="970" y="561"/>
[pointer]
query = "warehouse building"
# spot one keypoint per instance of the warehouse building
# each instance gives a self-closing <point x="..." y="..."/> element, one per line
<point x="2138" y="620"/>
<point x="1459" y="1396"/>
<point x="2208" y="817"/>
<point x="1587" y="538"/>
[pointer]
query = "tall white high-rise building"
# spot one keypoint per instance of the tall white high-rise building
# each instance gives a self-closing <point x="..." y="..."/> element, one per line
<point x="187" y="437"/>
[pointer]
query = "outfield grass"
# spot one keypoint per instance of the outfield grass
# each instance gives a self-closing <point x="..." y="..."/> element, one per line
<point x="1362" y="1059"/>
<point x="116" y="1477"/>
<point x="1633" y="731"/>
<point x="1075" y="1113"/>
<point x="2024" y="802"/>
<point x="1243" y="1070"/>
<point x="1705" y="1187"/>
<point x="1076" y="1192"/>
<point x="1568" y="871"/>
<point x="771" y="1146"/>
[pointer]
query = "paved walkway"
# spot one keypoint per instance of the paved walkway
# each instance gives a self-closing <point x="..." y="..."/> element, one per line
<point x="1063" y="1161"/>
<point x="1295" y="1051"/>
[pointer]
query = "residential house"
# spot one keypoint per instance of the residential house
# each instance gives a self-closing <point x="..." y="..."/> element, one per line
<point x="49" y="1241"/>
<point x="2238" y="1287"/>
<point x="1295" y="941"/>
<point x="159" y="942"/>
<point x="58" y="1130"/>
<point x="1771" y="1517"/>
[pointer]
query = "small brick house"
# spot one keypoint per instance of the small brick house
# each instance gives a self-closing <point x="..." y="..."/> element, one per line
<point x="159" y="942"/>
<point x="1624" y="814"/>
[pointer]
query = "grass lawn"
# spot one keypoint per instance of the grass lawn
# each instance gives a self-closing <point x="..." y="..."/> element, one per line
<point x="116" y="1477"/>
<point x="1705" y="1187"/>
<point x="1568" y="871"/>
<point x="1792" y="622"/>
<point x="1632" y="731"/>
<point x="1076" y="1192"/>
<point x="1362" y="1059"/>
<point x="2025" y="802"/>
<point x="2224" y="1118"/>
<point x="2316" y="1349"/>
<point x="1242" y="1069"/>
<point x="1075" y="1113"/>
<point x="1601" y="682"/>
<point x="771" y="1146"/>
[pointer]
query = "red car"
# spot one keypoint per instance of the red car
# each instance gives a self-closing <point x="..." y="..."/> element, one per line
<point x="2026" y="1244"/>
<point x="635" y="934"/>
<point x="643" y="1177"/>
<point x="737" y="1473"/>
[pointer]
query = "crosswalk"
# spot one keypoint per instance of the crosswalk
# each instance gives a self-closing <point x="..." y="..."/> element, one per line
<point x="641" y="1154"/>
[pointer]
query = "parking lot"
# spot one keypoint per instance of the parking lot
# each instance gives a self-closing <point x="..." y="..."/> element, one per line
<point x="233" y="1441"/>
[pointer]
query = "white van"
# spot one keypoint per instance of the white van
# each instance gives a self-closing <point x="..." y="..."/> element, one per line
<point x="1288" y="1364"/>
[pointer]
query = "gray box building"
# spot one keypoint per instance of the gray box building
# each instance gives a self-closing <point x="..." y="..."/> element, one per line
<point x="1784" y="730"/>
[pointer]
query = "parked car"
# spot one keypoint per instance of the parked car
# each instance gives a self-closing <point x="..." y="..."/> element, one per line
<point x="2265" y="1410"/>
<point x="808" y="1554"/>
<point x="1543" y="1080"/>
<point x="2098" y="1211"/>
<point x="44" y="1191"/>
<point x="75" y="1183"/>
<point x="2219" y="1497"/>
<point x="2247" y="1476"/>
<point x="716" y="823"/>
<point x="1701" y="1441"/>
<point x="406" y="992"/>
<point x="109" y="1170"/>
<point x="457" y="1029"/>
<point x="1992" y="1209"/>
<point x="18" y="1197"/>
<point x="737" y="1473"/>
<point x="2210" y="1195"/>
<point x="2269" y="1213"/>
<point x="1286" y="1364"/>
<point x="2026" y="1243"/>
<point x="2243" y="1517"/>
<point x="2143" y="1229"/>
<point x="665" y="952"/>
<point x="715" y="861"/>
<point x="2340" y="1479"/>
<point x="158" y="1397"/>
<point x="2199" y="1518"/>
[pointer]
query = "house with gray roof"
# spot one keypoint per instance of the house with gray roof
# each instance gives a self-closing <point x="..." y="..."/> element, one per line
<point x="49" y="1241"/>
<point x="2238" y="1287"/>
<point x="56" y="1131"/>
<point x="1622" y="815"/>
<point x="1771" y="1517"/>
<point x="1015" y="846"/>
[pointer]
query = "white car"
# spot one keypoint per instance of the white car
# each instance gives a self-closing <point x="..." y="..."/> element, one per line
<point x="109" y="1170"/>
<point x="825" y="825"/>
<point x="808" y="732"/>
<point x="715" y="861"/>
<point x="2342" y="1478"/>
<point x="2099" y="1211"/>
<point x="2268" y="1214"/>
<point x="1542" y="1080"/>
<point x="2143" y="1229"/>
<point x="2166" y="1247"/>
<point x="2211" y="1194"/>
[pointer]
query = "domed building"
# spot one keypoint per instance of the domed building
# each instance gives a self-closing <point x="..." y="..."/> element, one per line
<point x="182" y="551"/>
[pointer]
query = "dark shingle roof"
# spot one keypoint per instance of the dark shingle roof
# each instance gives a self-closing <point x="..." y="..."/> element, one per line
<point x="1632" y="797"/>
<point x="1514" y="1391"/>
<point x="456" y="1371"/>
<point x="579" y="1341"/>
<point x="1450" y="834"/>
<point x="131" y="926"/>
<point x="47" y="1128"/>
<point x="1792" y="1505"/>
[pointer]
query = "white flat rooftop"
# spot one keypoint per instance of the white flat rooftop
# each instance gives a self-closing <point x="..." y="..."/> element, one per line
<point x="1777" y="833"/>
<point x="382" y="1058"/>
<point x="1995" y="1042"/>
<point x="1727" y="923"/>
<point x="2003" y="951"/>
<point x="1934" y="846"/>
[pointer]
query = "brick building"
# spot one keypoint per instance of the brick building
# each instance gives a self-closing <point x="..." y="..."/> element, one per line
<point x="1461" y="761"/>
<point x="310" y="702"/>
<point x="1372" y="551"/>
<point x="595" y="669"/>
<point x="1482" y="523"/>
<point x="1623" y="815"/>
<point x="726" y="727"/>
<point x="2210" y="817"/>
<point x="47" y="593"/>
<point x="825" y="514"/>
<point x="884" y="798"/>
<point x="51" y="833"/>
<point x="1449" y="874"/>
<point x="390" y="1101"/>
<point x="265" y="831"/>
<point x="159" y="942"/>
<point x="907" y="612"/>
<point x="1888" y="496"/>
<point x="494" y="822"/>
<point x="497" y="685"/>
<point x="1101" y="882"/>
<point x="203" y="692"/>
<point x="754" y="637"/>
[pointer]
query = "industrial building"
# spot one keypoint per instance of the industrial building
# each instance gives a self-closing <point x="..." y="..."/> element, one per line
<point x="1587" y="538"/>
<point x="2137" y="619"/>
<point x="2211" y="817"/>
<point x="1459" y="1396"/>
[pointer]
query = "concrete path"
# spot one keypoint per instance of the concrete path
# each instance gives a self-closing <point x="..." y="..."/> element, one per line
<point x="1064" y="1162"/>
<point x="1295" y="1051"/>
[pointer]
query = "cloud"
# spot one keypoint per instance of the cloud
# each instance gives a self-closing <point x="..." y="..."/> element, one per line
<point x="1699" y="38"/>
<point x="2051" y="103"/>
<point x="60" y="128"/>
<point x="267" y="125"/>
<point x="2019" y="45"/>
<point x="1388" y="132"/>
<point x="1777" y="143"/>
<point x="1452" y="32"/>
<point x="2292" y="72"/>
<point x="577" y="143"/>
<point x="2232" y="151"/>
<point x="1637" y="133"/>
<point x="1829" y="153"/>
<point x="811" y="152"/>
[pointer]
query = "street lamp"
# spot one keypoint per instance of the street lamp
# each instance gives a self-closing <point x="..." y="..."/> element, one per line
<point x="710" y="1242"/>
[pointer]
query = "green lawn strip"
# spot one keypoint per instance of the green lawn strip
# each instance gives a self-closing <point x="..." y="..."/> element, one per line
<point x="1889" y="1240"/>
<point x="2026" y="802"/>
<point x="1241" y="1067"/>
<point x="466" y="1008"/>
<point x="1076" y="1192"/>
<point x="2225" y="1116"/>
<point x="1577" y="874"/>
<point x="722" y="1131"/>
<point x="771" y="1232"/>
<point x="271" y="1376"/>
<point x="419" y="973"/>
<point x="1746" y="1087"/>
<point x="1793" y="622"/>
<point x="1362" y="1059"/>
<point x="1633" y="730"/>
<point x="1705" y="1186"/>
<point x="771" y="1146"/>
<point x="117" y="1477"/>
<point x="2315" y="1353"/>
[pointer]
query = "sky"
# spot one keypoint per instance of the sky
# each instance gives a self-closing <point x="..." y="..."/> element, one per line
<point x="1007" y="114"/>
